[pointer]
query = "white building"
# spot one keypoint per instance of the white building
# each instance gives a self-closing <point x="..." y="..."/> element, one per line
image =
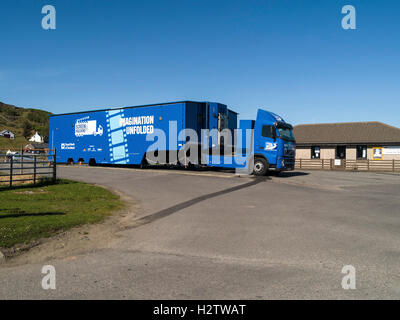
<point x="7" y="134"/>
<point x="36" y="138"/>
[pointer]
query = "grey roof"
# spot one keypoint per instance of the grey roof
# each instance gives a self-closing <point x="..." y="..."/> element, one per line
<point x="37" y="145"/>
<point x="373" y="132"/>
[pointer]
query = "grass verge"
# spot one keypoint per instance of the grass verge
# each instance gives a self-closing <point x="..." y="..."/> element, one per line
<point x="28" y="213"/>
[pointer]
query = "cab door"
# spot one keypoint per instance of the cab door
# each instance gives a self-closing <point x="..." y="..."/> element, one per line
<point x="266" y="142"/>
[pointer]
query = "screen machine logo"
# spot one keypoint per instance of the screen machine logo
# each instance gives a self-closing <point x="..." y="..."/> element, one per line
<point x="86" y="127"/>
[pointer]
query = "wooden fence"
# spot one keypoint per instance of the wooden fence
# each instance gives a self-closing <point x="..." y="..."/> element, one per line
<point x="350" y="165"/>
<point x="22" y="167"/>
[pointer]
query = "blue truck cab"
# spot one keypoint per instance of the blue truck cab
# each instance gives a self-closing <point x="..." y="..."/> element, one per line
<point x="274" y="143"/>
<point x="265" y="145"/>
<point x="124" y="136"/>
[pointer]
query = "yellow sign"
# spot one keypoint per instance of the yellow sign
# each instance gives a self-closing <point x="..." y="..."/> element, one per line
<point x="377" y="153"/>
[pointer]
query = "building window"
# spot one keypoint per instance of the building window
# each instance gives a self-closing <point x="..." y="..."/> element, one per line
<point x="361" y="152"/>
<point x="315" y="152"/>
<point x="267" y="131"/>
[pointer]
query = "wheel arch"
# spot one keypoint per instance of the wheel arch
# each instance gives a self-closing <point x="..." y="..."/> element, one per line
<point x="260" y="155"/>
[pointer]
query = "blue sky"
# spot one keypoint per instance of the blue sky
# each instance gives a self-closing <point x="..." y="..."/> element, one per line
<point x="288" y="56"/>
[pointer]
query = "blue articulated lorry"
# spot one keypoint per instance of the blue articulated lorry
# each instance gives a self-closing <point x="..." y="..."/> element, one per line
<point x="184" y="133"/>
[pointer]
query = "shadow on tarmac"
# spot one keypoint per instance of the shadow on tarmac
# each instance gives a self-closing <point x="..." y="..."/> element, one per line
<point x="183" y="205"/>
<point x="288" y="174"/>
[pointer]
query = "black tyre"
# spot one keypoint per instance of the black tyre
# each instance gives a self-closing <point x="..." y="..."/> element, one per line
<point x="92" y="162"/>
<point x="260" y="167"/>
<point x="144" y="163"/>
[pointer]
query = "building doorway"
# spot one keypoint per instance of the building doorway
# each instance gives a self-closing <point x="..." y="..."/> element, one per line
<point x="340" y="157"/>
<point x="341" y="152"/>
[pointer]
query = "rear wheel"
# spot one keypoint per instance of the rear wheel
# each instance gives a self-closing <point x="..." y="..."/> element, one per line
<point x="92" y="162"/>
<point x="260" y="167"/>
<point x="144" y="163"/>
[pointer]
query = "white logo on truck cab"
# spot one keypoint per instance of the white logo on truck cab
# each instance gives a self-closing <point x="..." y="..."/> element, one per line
<point x="270" y="146"/>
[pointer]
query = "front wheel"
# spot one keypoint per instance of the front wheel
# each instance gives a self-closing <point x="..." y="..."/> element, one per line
<point x="260" y="167"/>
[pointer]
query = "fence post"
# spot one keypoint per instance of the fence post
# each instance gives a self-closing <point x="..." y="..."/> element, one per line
<point x="11" y="170"/>
<point x="367" y="164"/>
<point x="300" y="164"/>
<point x="393" y="165"/>
<point x="331" y="163"/>
<point x="22" y="161"/>
<point x="323" y="164"/>
<point x="34" y="169"/>
<point x="54" y="165"/>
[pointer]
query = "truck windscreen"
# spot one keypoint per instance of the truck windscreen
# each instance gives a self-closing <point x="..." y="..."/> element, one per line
<point x="286" y="134"/>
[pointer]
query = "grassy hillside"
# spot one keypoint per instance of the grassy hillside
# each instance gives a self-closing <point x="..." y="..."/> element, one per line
<point x="23" y="122"/>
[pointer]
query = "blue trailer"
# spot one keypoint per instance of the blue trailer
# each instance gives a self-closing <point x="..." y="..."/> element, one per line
<point x="185" y="133"/>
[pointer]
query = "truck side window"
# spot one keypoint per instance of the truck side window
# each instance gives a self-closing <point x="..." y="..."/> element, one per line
<point x="267" y="131"/>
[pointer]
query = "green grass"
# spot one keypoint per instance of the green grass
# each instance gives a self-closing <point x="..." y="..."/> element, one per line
<point x="29" y="213"/>
<point x="14" y="145"/>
